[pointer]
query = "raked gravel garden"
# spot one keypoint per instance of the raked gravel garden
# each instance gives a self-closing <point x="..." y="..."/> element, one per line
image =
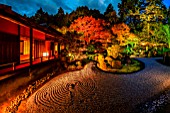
<point x="90" y="90"/>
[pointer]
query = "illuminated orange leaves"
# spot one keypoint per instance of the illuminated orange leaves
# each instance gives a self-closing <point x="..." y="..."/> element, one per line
<point x="122" y="31"/>
<point x="96" y="29"/>
<point x="91" y="28"/>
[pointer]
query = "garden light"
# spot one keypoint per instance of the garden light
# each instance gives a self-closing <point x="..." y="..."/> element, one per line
<point x="45" y="54"/>
<point x="69" y="54"/>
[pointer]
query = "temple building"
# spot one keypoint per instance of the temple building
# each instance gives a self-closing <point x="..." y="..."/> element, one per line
<point x="22" y="41"/>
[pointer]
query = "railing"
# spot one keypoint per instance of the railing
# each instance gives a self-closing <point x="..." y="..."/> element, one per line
<point x="12" y="64"/>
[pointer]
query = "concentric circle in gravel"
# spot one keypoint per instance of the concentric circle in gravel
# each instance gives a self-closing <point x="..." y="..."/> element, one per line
<point x="92" y="91"/>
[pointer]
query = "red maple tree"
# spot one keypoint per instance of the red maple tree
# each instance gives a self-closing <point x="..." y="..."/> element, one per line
<point x="90" y="28"/>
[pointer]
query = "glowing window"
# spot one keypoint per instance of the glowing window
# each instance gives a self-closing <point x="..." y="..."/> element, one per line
<point x="21" y="47"/>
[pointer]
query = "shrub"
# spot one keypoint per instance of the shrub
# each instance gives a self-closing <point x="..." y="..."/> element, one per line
<point x="101" y="64"/>
<point x="113" y="51"/>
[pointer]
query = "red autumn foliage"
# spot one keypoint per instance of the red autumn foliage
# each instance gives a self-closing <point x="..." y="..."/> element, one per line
<point x="91" y="28"/>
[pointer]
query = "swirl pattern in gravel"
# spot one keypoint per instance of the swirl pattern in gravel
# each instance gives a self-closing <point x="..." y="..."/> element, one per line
<point x="91" y="90"/>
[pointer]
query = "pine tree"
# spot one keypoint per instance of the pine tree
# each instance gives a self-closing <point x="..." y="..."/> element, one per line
<point x="110" y="15"/>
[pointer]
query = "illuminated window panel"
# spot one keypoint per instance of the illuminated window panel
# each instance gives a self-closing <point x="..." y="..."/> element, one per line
<point x="56" y="47"/>
<point x="21" y="47"/>
<point x="24" y="48"/>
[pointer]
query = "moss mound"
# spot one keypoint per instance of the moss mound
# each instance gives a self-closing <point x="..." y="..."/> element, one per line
<point x="134" y="66"/>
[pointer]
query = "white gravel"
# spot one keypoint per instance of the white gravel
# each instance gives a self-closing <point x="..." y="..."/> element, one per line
<point x="91" y="90"/>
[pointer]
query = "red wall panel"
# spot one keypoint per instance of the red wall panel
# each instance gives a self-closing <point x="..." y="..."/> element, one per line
<point x="7" y="26"/>
<point x="38" y="35"/>
<point x="24" y="31"/>
<point x="9" y="48"/>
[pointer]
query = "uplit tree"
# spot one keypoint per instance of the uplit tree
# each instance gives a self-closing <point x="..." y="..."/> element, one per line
<point x="122" y="31"/>
<point x="138" y="13"/>
<point x="153" y="13"/>
<point x="91" y="29"/>
<point x="165" y="32"/>
<point x="146" y="18"/>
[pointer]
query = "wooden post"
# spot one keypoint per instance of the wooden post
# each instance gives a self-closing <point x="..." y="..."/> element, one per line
<point x="31" y="45"/>
<point x="19" y="36"/>
<point x="13" y="66"/>
<point x="30" y="73"/>
<point x="59" y="52"/>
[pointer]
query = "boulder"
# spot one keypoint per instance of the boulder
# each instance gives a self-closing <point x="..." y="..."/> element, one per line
<point x="116" y="64"/>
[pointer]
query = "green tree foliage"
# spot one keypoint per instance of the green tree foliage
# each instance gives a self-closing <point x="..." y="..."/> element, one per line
<point x="143" y="15"/>
<point x="152" y="14"/>
<point x="124" y="7"/>
<point x="133" y="12"/>
<point x="168" y="15"/>
<point x="79" y="12"/>
<point x="165" y="33"/>
<point x="41" y="17"/>
<point x="96" y="14"/>
<point x="110" y="14"/>
<point x="109" y="9"/>
<point x="59" y="18"/>
<point x="84" y="11"/>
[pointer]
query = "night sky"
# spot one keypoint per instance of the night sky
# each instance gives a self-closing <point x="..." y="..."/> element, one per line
<point x="29" y="7"/>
